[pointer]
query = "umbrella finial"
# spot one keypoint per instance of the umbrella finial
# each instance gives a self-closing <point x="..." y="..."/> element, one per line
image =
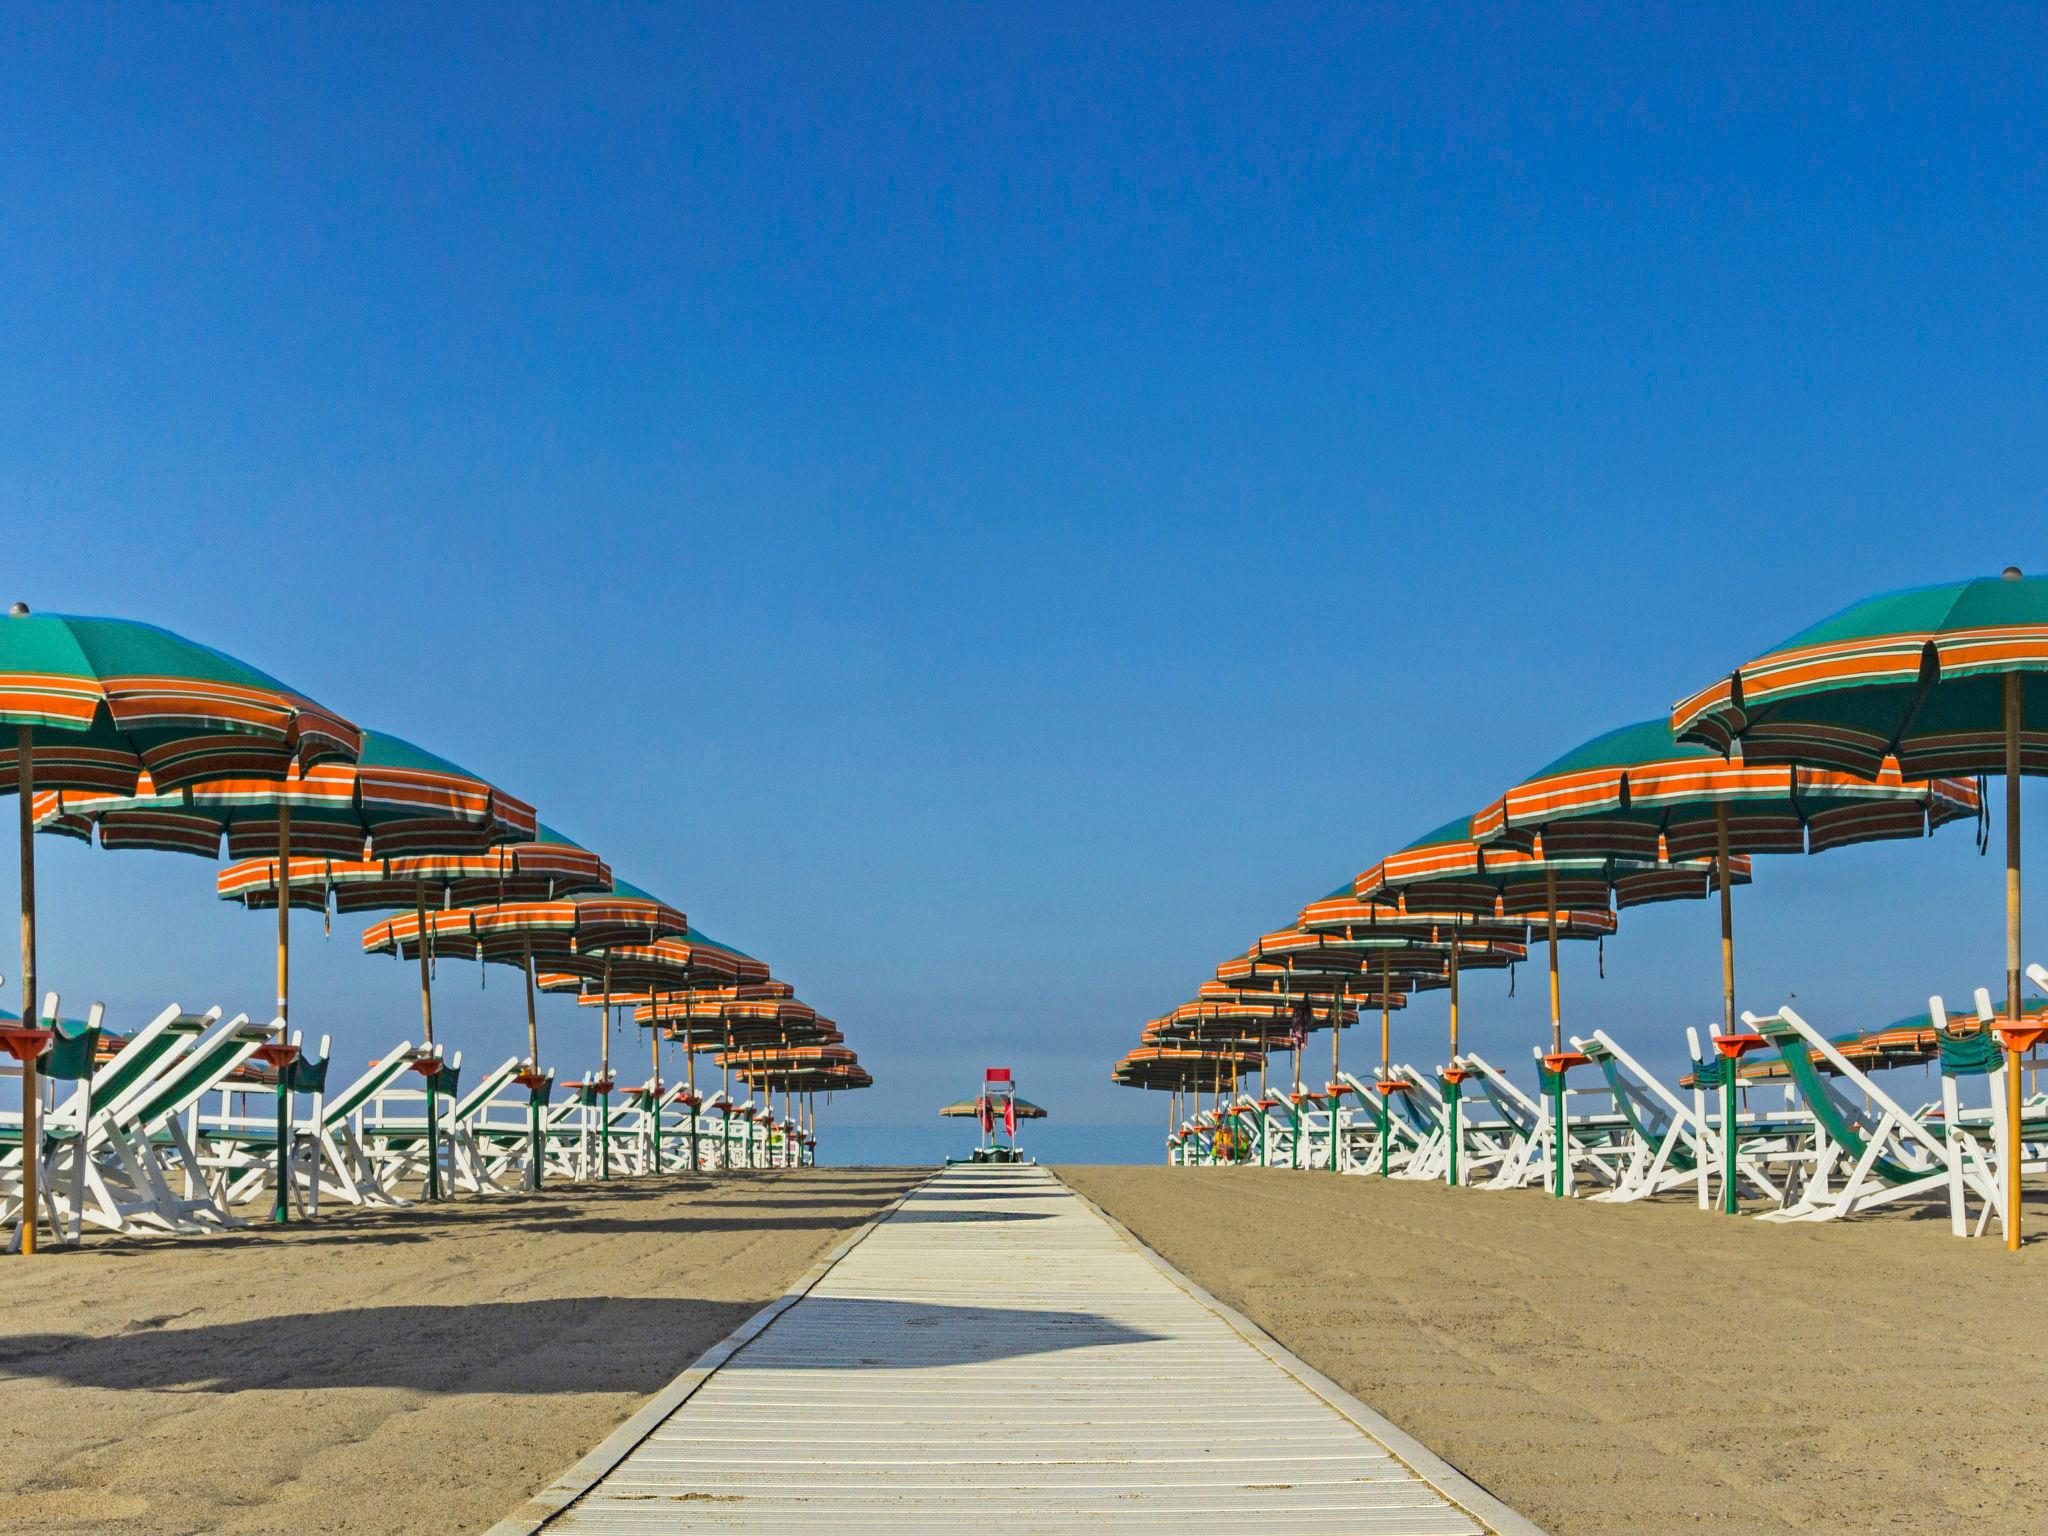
<point x="17" y="610"/>
<point x="2011" y="573"/>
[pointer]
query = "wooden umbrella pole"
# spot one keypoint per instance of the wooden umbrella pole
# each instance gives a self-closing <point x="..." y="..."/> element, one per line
<point x="2015" y="709"/>
<point x="1383" y="1108"/>
<point x="654" y="1050"/>
<point x="532" y="1013"/>
<point x="1451" y="1109"/>
<point x="1721" y="874"/>
<point x="282" y="1211"/>
<point x="1336" y="1080"/>
<point x="1556" y="1008"/>
<point x="284" y="915"/>
<point x="604" y="1076"/>
<point x="31" y="1090"/>
<point x="419" y="896"/>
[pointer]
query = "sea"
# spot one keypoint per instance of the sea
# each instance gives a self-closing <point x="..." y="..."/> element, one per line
<point x="841" y="1146"/>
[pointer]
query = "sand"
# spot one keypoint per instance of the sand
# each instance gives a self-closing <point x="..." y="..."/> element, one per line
<point x="1622" y="1370"/>
<point x="420" y="1370"/>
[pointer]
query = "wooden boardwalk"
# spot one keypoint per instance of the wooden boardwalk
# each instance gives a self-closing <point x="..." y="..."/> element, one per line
<point x="997" y="1353"/>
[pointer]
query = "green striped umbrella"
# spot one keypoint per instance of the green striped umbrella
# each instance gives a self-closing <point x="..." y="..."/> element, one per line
<point x="396" y="798"/>
<point x="666" y="968"/>
<point x="1640" y="793"/>
<point x="1941" y="679"/>
<point x="107" y="706"/>
<point x="570" y="933"/>
<point x="541" y="866"/>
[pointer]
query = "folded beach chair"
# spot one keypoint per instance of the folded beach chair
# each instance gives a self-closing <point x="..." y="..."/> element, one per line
<point x="502" y="1127"/>
<point x="151" y="1173"/>
<point x="1417" y="1115"/>
<point x="1665" y="1134"/>
<point x="1882" y="1151"/>
<point x="393" y="1124"/>
<point x="339" y="1157"/>
<point x="61" y="1159"/>
<point x="1514" y="1141"/>
<point x="238" y="1143"/>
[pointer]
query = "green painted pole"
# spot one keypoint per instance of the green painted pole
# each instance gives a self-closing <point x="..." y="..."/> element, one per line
<point x="1728" y="1202"/>
<point x="1557" y="1120"/>
<point x="281" y="1212"/>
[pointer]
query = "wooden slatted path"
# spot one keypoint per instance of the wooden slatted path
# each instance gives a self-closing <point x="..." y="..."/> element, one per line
<point x="997" y="1353"/>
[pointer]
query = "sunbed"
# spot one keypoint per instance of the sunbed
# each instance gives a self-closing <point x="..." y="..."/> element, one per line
<point x="1882" y="1151"/>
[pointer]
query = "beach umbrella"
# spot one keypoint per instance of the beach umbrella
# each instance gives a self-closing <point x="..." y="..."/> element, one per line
<point x="539" y="866"/>
<point x="95" y="705"/>
<point x="1433" y="950"/>
<point x="1941" y="680"/>
<point x="1639" y="793"/>
<point x="1447" y="871"/>
<point x="664" y="966"/>
<point x="567" y="933"/>
<point x="394" y="799"/>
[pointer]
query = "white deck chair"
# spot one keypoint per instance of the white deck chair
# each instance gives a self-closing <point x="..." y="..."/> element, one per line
<point x="1884" y="1153"/>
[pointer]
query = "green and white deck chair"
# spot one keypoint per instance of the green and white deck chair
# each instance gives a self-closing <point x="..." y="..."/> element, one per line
<point x="1514" y="1139"/>
<point x="1415" y="1119"/>
<point x="1665" y="1134"/>
<point x="238" y="1142"/>
<point x="1484" y="1132"/>
<point x="1765" y="1140"/>
<point x="502" y="1126"/>
<point x="1599" y="1142"/>
<point x="148" y="1132"/>
<point x="102" y="1187"/>
<point x="61" y="1160"/>
<point x="638" y="1121"/>
<point x="471" y="1163"/>
<point x="1883" y="1152"/>
<point x="393" y="1124"/>
<point x="342" y="1164"/>
<point x="672" y="1125"/>
<point x="563" y="1136"/>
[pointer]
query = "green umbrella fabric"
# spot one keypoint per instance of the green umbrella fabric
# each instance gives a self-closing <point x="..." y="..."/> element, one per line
<point x="108" y="701"/>
<point x="1916" y="675"/>
<point x="1640" y="793"/>
<point x="396" y="798"/>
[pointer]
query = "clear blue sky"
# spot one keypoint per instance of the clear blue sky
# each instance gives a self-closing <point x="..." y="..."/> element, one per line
<point x="990" y="507"/>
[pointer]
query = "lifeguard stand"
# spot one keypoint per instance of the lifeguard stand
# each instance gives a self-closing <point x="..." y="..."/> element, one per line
<point x="997" y="1109"/>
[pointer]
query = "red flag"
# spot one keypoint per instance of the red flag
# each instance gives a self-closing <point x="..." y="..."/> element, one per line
<point x="987" y="1115"/>
<point x="1010" y="1118"/>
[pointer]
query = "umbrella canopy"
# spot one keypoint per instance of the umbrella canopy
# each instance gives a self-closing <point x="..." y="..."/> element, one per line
<point x="105" y="701"/>
<point x="1944" y="679"/>
<point x="396" y="798"/>
<point x="1917" y="676"/>
<point x="565" y="932"/>
<point x="1640" y="793"/>
<point x="970" y="1109"/>
<point x="105" y="705"/>
<point x="542" y="867"/>
<point x="1185" y="1069"/>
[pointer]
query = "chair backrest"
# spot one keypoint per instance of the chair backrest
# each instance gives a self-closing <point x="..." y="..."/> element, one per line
<point x="200" y="1069"/>
<point x="147" y="1054"/>
<point x="75" y="1043"/>
<point x="363" y="1089"/>
<point x="309" y="1074"/>
<point x="493" y="1083"/>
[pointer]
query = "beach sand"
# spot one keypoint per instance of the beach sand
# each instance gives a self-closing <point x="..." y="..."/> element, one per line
<point x="418" y="1370"/>
<point x="1641" y="1369"/>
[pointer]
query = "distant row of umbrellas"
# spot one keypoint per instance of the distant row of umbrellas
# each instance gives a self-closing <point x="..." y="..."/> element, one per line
<point x="1880" y="722"/>
<point x="137" y="737"/>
